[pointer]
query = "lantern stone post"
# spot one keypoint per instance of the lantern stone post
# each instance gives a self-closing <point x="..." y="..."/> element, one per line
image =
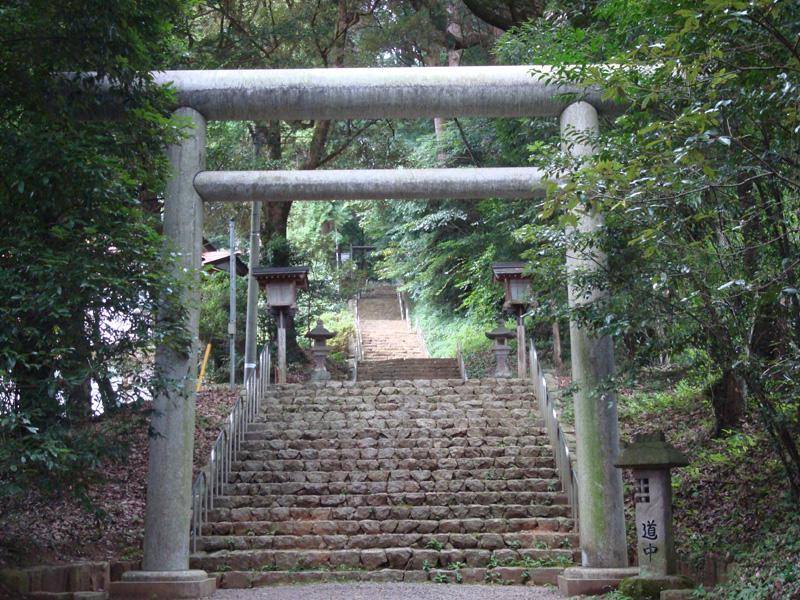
<point x="165" y="566"/>
<point x="650" y="458"/>
<point x="499" y="335"/>
<point x="600" y="499"/>
<point x="281" y="284"/>
<point x="320" y="336"/>
<point x="517" y="297"/>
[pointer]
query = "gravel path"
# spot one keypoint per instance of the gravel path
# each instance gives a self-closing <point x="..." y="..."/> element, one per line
<point x="389" y="591"/>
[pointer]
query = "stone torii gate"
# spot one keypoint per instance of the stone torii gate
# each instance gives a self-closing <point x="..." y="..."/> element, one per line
<point x="338" y="94"/>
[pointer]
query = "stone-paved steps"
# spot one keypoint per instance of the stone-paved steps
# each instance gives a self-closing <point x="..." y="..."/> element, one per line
<point x="345" y="541"/>
<point x="390" y="348"/>
<point x="510" y="458"/>
<point x="389" y="513"/>
<point x="379" y="304"/>
<point x="260" y="500"/>
<point x="376" y="558"/>
<point x="400" y="478"/>
<point x="419" y="368"/>
<point x="500" y="575"/>
<point x="423" y="477"/>
<point x="309" y="526"/>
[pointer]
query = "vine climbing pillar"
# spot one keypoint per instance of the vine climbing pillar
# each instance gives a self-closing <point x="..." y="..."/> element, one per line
<point x="600" y="498"/>
<point x="165" y="567"/>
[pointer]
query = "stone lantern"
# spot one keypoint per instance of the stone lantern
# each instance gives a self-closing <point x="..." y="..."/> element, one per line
<point x="281" y="285"/>
<point x="650" y="458"/>
<point x="499" y="335"/>
<point x="517" y="288"/>
<point x="320" y="335"/>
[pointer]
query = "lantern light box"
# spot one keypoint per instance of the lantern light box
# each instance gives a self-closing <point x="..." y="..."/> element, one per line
<point x="281" y="285"/>
<point x="517" y="285"/>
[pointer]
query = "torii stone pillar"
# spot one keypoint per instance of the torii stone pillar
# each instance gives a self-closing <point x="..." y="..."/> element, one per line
<point x="165" y="567"/>
<point x="600" y="498"/>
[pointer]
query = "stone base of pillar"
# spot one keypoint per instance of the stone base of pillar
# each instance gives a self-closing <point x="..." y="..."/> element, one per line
<point x="320" y="375"/>
<point x="589" y="581"/>
<point x="163" y="585"/>
<point x="652" y="587"/>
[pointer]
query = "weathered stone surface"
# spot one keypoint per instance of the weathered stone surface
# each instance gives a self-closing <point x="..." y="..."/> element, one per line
<point x="373" y="559"/>
<point x="235" y="580"/>
<point x="398" y="557"/>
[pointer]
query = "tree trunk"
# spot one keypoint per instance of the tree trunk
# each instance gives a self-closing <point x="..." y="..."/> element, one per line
<point x="558" y="361"/>
<point x="728" y="398"/>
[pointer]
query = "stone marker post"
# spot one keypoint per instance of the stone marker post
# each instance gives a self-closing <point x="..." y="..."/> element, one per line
<point x="650" y="458"/>
<point x="499" y="335"/>
<point x="165" y="567"/>
<point x="600" y="500"/>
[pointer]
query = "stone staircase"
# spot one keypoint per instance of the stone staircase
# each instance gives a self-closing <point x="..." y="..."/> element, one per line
<point x="440" y="480"/>
<point x="418" y="368"/>
<point x="391" y="349"/>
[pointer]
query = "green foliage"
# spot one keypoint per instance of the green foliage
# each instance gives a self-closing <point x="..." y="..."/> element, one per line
<point x="434" y="544"/>
<point x="696" y="184"/>
<point x="80" y="255"/>
<point x="47" y="458"/>
<point x="771" y="570"/>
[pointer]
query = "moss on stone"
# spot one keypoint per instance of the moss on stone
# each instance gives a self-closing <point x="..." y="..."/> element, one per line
<point x="15" y="580"/>
<point x="650" y="588"/>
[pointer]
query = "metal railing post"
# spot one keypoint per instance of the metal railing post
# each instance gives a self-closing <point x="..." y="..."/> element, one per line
<point x="210" y="482"/>
<point x="554" y="432"/>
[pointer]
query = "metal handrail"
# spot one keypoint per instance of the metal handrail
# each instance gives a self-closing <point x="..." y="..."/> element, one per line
<point x="359" y="341"/>
<point x="558" y="439"/>
<point x="210" y="482"/>
<point x="418" y="330"/>
<point x="462" y="367"/>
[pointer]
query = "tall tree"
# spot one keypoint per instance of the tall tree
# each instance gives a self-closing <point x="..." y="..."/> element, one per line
<point x="80" y="254"/>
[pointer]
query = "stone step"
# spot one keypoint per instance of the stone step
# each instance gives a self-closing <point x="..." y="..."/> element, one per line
<point x="488" y="383"/>
<point x="372" y="449"/>
<point x="334" y="419"/>
<point x="331" y="448"/>
<point x="373" y="558"/>
<point x="456" y="409"/>
<point x="372" y="526"/>
<point x="418" y="401"/>
<point x="372" y="420"/>
<point x="446" y="389"/>
<point x="389" y="486"/>
<point x="272" y="431"/>
<point x="468" y="575"/>
<point x="295" y="461"/>
<point x="402" y="512"/>
<point x="257" y="474"/>
<point x="379" y="365"/>
<point x="373" y="458"/>
<point x="260" y="500"/>
<point x="331" y="541"/>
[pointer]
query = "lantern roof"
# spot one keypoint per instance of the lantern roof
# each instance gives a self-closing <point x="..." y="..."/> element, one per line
<point x="267" y="275"/>
<point x="320" y="333"/>
<point x="650" y="451"/>
<point x="509" y="270"/>
<point x="500" y="333"/>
